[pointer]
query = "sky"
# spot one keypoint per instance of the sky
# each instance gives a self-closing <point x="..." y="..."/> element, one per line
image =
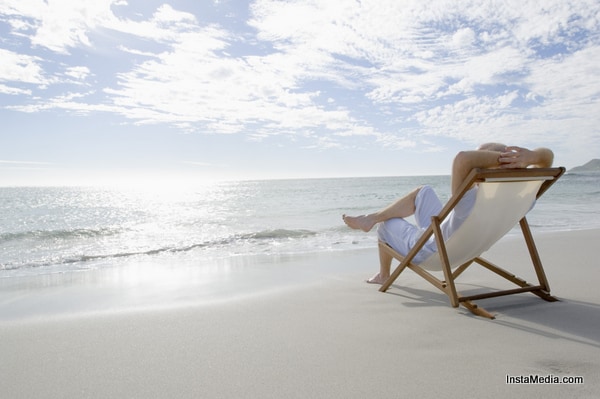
<point x="101" y="91"/>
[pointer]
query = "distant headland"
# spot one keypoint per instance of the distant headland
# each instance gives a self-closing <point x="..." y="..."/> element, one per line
<point x="591" y="166"/>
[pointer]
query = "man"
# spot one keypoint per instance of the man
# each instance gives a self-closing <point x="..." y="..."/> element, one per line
<point x="423" y="203"/>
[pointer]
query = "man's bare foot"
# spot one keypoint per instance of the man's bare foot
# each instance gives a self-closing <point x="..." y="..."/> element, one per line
<point x="364" y="222"/>
<point x="377" y="279"/>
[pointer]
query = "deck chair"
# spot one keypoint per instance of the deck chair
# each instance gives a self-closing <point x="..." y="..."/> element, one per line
<point x="503" y="199"/>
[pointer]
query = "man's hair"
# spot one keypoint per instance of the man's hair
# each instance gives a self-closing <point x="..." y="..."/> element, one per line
<point x="492" y="147"/>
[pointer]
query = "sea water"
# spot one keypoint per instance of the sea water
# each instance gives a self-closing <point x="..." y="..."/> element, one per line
<point x="60" y="229"/>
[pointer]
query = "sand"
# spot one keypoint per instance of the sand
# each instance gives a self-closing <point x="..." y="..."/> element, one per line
<point x="301" y="327"/>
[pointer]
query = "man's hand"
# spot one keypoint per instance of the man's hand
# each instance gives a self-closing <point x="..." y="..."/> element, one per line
<point x="517" y="157"/>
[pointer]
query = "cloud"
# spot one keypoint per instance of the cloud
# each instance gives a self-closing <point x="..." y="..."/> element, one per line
<point x="24" y="165"/>
<point x="57" y="25"/>
<point x="78" y="73"/>
<point x="21" y="68"/>
<point x="6" y="162"/>
<point x="13" y="90"/>
<point x="341" y="73"/>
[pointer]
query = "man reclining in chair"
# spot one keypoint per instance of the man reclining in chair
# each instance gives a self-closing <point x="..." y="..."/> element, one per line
<point x="423" y="203"/>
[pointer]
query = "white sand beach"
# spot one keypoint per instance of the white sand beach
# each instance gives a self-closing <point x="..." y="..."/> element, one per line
<point x="303" y="327"/>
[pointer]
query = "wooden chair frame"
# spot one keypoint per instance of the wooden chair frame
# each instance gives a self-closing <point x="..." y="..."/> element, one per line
<point x="448" y="285"/>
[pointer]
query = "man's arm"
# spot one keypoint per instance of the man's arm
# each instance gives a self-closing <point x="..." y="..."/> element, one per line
<point x="512" y="158"/>
<point x="465" y="161"/>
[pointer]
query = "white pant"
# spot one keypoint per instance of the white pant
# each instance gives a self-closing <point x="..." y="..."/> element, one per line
<point x="403" y="235"/>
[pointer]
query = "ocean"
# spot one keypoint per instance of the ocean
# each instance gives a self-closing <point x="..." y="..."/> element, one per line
<point x="48" y="230"/>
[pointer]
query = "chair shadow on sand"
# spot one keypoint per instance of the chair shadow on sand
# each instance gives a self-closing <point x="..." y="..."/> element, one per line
<point x="567" y="319"/>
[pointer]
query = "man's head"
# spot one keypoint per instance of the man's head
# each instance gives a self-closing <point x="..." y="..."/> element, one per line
<point x="492" y="147"/>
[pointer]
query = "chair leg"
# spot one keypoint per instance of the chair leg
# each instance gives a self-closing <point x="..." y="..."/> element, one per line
<point x="538" y="290"/>
<point x="441" y="246"/>
<point x="386" y="251"/>
<point x="535" y="257"/>
<point x="477" y="310"/>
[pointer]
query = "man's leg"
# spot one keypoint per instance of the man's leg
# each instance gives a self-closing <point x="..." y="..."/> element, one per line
<point x="402" y="208"/>
<point x="385" y="265"/>
<point x="402" y="235"/>
<point x="427" y="204"/>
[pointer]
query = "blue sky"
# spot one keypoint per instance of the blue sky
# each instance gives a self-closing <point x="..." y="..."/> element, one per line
<point x="100" y="91"/>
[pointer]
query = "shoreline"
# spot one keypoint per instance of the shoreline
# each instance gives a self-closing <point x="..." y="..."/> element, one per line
<point x="156" y="285"/>
<point x="159" y="284"/>
<point x="305" y="327"/>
